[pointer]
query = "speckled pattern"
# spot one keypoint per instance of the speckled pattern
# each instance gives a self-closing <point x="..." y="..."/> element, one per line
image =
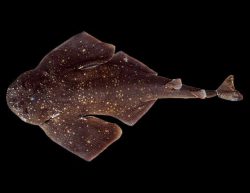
<point x="84" y="77"/>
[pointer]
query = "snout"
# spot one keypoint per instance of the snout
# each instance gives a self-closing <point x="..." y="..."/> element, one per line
<point x="15" y="102"/>
<point x="12" y="97"/>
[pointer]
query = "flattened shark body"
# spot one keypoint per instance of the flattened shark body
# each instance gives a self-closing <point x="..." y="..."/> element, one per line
<point x="84" y="77"/>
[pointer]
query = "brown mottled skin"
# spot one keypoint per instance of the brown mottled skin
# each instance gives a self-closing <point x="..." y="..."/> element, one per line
<point x="84" y="77"/>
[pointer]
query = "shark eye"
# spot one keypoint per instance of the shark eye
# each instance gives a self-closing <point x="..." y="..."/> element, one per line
<point x="32" y="98"/>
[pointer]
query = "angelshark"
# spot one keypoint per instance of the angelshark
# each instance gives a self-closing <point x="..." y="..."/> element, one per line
<point x="84" y="77"/>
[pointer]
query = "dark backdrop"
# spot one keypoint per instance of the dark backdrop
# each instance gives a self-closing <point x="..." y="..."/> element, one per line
<point x="178" y="143"/>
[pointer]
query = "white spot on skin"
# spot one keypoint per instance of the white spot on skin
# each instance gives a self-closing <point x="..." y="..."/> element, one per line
<point x="80" y="67"/>
<point x="125" y="59"/>
<point x="88" y="141"/>
<point x="23" y="119"/>
<point x="83" y="118"/>
<point x="83" y="50"/>
<point x="55" y="115"/>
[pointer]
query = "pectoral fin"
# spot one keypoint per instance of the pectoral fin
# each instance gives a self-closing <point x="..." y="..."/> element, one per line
<point x="86" y="137"/>
<point x="79" y="52"/>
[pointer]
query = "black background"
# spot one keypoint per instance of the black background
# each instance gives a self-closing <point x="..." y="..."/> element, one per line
<point x="178" y="143"/>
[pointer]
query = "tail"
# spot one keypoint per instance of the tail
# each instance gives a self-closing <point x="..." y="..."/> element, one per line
<point x="227" y="90"/>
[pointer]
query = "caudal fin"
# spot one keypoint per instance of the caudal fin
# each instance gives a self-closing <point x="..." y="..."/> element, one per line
<point x="227" y="90"/>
